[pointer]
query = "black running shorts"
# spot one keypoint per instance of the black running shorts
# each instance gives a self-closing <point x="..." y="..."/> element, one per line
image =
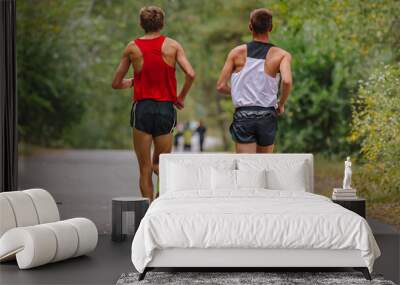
<point x="254" y="124"/>
<point x="153" y="117"/>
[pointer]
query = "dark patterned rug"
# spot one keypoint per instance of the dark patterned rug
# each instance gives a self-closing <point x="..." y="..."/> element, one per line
<point x="243" y="278"/>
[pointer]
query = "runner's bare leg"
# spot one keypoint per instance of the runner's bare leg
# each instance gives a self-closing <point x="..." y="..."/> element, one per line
<point x="162" y="144"/>
<point x="142" y="145"/>
<point x="246" y="147"/>
<point x="265" y="149"/>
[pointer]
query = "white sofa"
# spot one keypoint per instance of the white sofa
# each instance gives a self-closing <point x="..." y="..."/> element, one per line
<point x="31" y="230"/>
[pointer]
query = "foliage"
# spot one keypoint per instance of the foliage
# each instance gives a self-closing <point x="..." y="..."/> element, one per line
<point x="49" y="89"/>
<point x="334" y="44"/>
<point x="376" y="124"/>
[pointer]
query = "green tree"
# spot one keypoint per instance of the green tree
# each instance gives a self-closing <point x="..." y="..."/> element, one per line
<point x="376" y="125"/>
<point x="334" y="44"/>
<point x="50" y="97"/>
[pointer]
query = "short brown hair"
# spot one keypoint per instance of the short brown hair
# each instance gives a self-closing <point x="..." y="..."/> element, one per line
<point x="151" y="18"/>
<point x="261" y="20"/>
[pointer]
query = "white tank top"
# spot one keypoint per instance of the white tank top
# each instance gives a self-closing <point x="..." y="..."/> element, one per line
<point x="251" y="86"/>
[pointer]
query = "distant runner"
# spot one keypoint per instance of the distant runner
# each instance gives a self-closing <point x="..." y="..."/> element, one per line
<point x="201" y="130"/>
<point x="255" y="70"/>
<point x="187" y="138"/>
<point x="153" y="116"/>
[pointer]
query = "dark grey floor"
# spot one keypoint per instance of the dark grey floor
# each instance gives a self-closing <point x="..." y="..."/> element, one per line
<point x="388" y="240"/>
<point x="85" y="182"/>
<point x="110" y="260"/>
<point x="103" y="266"/>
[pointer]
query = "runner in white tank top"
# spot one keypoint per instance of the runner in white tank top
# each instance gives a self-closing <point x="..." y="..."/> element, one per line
<point x="254" y="71"/>
<point x="251" y="86"/>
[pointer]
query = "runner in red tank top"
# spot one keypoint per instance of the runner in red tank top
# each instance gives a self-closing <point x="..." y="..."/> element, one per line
<point x="156" y="80"/>
<point x="153" y="115"/>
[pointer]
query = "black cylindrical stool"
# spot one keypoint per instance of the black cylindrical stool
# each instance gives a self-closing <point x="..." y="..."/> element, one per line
<point x="138" y="205"/>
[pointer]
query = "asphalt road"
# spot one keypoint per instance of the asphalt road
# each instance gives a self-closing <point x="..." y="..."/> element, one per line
<point x="84" y="181"/>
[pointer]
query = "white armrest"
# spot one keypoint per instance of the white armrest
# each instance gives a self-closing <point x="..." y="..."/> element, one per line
<point x="37" y="245"/>
<point x="33" y="246"/>
<point x="7" y="220"/>
<point x="46" y="207"/>
<point x="23" y="208"/>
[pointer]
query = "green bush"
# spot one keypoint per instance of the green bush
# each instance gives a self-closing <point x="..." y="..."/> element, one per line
<point x="50" y="96"/>
<point x="376" y="126"/>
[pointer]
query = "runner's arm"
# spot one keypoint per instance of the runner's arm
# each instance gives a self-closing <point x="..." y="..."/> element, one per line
<point x="226" y="72"/>
<point x="286" y="82"/>
<point x="189" y="74"/>
<point x="119" y="82"/>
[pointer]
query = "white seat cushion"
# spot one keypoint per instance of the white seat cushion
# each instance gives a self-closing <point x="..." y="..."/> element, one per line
<point x="67" y="240"/>
<point x="87" y="233"/>
<point x="23" y="208"/>
<point x="46" y="207"/>
<point x="7" y="220"/>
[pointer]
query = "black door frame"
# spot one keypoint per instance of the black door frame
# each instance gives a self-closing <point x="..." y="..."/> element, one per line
<point x="8" y="97"/>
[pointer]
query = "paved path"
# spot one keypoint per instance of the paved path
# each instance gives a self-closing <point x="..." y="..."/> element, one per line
<point x="84" y="181"/>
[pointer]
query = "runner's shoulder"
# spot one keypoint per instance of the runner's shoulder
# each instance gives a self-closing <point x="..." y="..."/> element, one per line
<point x="279" y="52"/>
<point x="172" y="43"/>
<point x="238" y="51"/>
<point x="132" y="48"/>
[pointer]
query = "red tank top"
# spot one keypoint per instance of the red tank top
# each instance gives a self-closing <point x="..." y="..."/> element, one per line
<point x="156" y="80"/>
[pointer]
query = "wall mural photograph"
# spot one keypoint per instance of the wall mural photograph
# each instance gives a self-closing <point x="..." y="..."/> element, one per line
<point x="173" y="142"/>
